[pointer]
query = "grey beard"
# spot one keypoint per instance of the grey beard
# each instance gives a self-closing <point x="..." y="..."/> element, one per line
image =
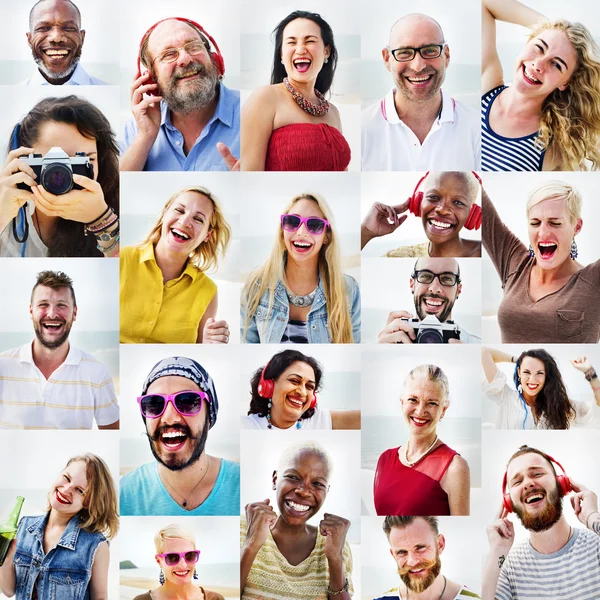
<point x="204" y="92"/>
<point x="50" y="75"/>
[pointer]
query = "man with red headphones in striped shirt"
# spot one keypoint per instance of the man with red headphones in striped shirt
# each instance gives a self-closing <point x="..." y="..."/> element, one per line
<point x="181" y="109"/>
<point x="558" y="560"/>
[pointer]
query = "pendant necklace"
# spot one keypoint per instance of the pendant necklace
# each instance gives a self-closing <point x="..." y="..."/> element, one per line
<point x="412" y="463"/>
<point x="301" y="301"/>
<point x="184" y="503"/>
<point x="317" y="110"/>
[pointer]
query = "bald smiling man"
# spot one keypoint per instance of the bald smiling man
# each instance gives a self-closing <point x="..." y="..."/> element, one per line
<point x="417" y="126"/>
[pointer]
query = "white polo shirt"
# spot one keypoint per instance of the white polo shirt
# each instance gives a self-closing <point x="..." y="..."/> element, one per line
<point x="453" y="143"/>
<point x="80" y="390"/>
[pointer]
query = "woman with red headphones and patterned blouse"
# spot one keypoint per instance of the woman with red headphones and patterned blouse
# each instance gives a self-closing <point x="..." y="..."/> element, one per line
<point x="284" y="396"/>
<point x="446" y="204"/>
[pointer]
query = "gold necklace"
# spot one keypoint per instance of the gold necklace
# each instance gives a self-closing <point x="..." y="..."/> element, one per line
<point x="412" y="463"/>
<point x="184" y="503"/>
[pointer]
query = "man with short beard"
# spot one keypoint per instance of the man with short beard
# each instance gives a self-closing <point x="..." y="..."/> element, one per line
<point x="56" y="40"/>
<point x="179" y="405"/>
<point x="436" y="285"/>
<point x="417" y="126"/>
<point x="558" y="560"/>
<point x="416" y="545"/>
<point x="181" y="109"/>
<point x="48" y="383"/>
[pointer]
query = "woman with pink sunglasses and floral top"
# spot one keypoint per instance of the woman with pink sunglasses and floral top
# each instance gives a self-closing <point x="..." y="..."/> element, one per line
<point x="177" y="555"/>
<point x="301" y="295"/>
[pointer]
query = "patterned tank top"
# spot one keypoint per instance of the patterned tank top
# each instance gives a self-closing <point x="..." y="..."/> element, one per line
<point x="500" y="153"/>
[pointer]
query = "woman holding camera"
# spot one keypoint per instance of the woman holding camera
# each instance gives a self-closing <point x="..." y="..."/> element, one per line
<point x="179" y="301"/>
<point x="284" y="396"/>
<point x="64" y="553"/>
<point x="300" y="295"/>
<point x="425" y="476"/>
<point x="539" y="398"/>
<point x="289" y="125"/>
<point x="549" y="296"/>
<point x="84" y="221"/>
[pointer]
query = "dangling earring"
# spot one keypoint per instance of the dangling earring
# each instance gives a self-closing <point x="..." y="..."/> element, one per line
<point x="531" y="252"/>
<point x="520" y="388"/>
<point x="161" y="578"/>
<point x="326" y="60"/>
<point x="269" y="414"/>
<point x="574" y="252"/>
<point x="195" y="576"/>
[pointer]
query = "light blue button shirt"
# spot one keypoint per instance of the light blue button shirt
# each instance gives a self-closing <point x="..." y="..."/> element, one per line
<point x="167" y="152"/>
<point x="79" y="77"/>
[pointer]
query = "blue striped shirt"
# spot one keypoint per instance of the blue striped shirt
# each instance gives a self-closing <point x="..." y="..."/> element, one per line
<point x="500" y="153"/>
<point x="572" y="573"/>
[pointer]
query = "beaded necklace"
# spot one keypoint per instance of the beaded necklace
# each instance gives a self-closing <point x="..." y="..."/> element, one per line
<point x="317" y="110"/>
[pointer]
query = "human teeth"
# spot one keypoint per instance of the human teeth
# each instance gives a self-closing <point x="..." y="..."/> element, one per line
<point x="432" y="302"/>
<point x="533" y="498"/>
<point x="295" y="402"/>
<point x="173" y="434"/>
<point x="302" y="244"/>
<point x="547" y="244"/>
<point x="302" y="61"/>
<point x="57" y="52"/>
<point x="63" y="498"/>
<point x="530" y="76"/>
<point x="181" y="572"/>
<point x="298" y="507"/>
<point x="440" y="224"/>
<point x="181" y="233"/>
<point x="419" y="79"/>
<point x="421" y="421"/>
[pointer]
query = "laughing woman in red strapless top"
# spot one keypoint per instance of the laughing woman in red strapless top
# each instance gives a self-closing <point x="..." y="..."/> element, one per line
<point x="424" y="477"/>
<point x="289" y="125"/>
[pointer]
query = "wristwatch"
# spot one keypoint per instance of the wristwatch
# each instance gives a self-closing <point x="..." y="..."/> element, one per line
<point x="106" y="237"/>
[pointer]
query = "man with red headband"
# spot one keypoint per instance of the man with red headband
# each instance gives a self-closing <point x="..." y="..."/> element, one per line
<point x="181" y="108"/>
<point x="558" y="560"/>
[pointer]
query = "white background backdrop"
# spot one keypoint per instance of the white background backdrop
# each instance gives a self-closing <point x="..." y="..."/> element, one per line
<point x="393" y="189"/>
<point x="386" y="287"/>
<point x="509" y="193"/>
<point x="137" y="361"/>
<point x="461" y="23"/>
<point x="31" y="471"/>
<point x="98" y="57"/>
<point x="577" y="386"/>
<point x="143" y="196"/>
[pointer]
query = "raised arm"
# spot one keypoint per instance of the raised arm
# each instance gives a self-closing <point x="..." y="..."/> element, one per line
<point x="585" y="366"/>
<point x="258" y="114"/>
<point x="260" y="518"/>
<point x="489" y="358"/>
<point x="509" y="11"/>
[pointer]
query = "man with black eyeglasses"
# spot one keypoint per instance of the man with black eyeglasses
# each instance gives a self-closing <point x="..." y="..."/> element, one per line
<point x="435" y="285"/>
<point x="417" y="126"/>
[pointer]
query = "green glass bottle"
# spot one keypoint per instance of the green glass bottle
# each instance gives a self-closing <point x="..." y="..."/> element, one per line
<point x="8" y="529"/>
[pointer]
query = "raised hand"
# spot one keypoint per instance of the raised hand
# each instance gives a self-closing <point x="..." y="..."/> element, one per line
<point x="215" y="332"/>
<point x="260" y="517"/>
<point x="233" y="163"/>
<point x="501" y="533"/>
<point x="397" y="330"/>
<point x="14" y="172"/>
<point x="146" y="110"/>
<point x="334" y="528"/>
<point x="382" y="220"/>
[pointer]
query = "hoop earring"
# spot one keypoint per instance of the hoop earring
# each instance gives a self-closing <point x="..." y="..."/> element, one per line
<point x="574" y="252"/>
<point x="161" y="577"/>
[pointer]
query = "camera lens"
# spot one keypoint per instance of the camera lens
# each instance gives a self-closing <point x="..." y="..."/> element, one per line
<point x="57" y="178"/>
<point x="430" y="336"/>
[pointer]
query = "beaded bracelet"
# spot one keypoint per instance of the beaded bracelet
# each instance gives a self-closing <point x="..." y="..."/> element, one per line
<point x="108" y="209"/>
<point x="109" y="248"/>
<point x="104" y="225"/>
<point x="344" y="589"/>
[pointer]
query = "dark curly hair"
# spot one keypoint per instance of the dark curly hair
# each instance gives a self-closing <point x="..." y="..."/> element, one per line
<point x="69" y="238"/>
<point x="552" y="403"/>
<point x="325" y="77"/>
<point x="275" y="367"/>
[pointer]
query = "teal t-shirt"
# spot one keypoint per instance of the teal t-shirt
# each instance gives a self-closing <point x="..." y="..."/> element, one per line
<point x="143" y="493"/>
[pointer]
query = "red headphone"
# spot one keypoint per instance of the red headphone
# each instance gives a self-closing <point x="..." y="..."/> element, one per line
<point x="216" y="56"/>
<point x="564" y="485"/>
<point x="414" y="206"/>
<point x="266" y="387"/>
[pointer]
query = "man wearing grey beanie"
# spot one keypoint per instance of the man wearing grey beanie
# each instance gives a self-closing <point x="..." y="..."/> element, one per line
<point x="179" y="405"/>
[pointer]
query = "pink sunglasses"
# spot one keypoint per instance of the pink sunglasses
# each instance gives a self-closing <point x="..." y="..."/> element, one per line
<point x="172" y="558"/>
<point x="313" y="225"/>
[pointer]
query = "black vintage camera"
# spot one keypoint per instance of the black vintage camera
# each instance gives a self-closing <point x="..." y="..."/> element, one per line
<point x="55" y="170"/>
<point x="431" y="331"/>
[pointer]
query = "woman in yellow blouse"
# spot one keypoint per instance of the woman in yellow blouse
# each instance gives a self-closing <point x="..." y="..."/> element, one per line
<point x="165" y="295"/>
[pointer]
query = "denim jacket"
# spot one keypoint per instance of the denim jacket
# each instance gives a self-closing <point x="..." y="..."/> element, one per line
<point x="62" y="574"/>
<point x="268" y="327"/>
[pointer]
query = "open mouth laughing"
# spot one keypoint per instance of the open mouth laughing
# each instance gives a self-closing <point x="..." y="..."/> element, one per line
<point x="440" y="226"/>
<point x="547" y="250"/>
<point x="419" y="422"/>
<point x="418" y="81"/>
<point x="433" y="304"/>
<point x="295" y="401"/>
<point x="302" y="246"/>
<point x="530" y="77"/>
<point x="62" y="499"/>
<point x="302" y="64"/>
<point x="179" y="235"/>
<point x="533" y="498"/>
<point x="181" y="574"/>
<point x="53" y="326"/>
<point x="297" y="509"/>
<point x="173" y="439"/>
